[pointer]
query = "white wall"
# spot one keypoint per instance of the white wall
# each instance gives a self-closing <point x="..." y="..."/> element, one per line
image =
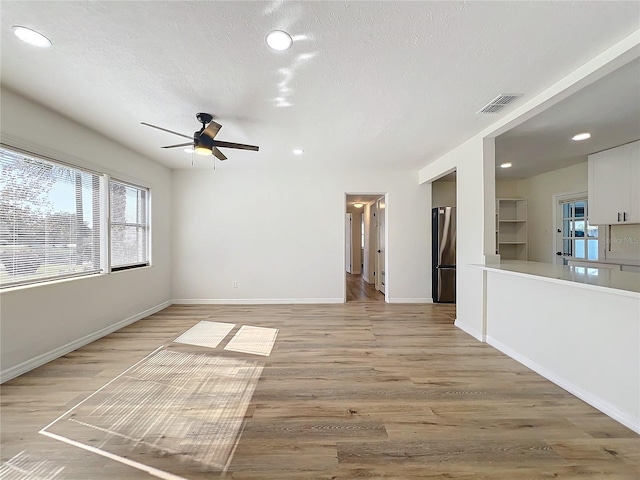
<point x="280" y="234"/>
<point x="443" y="193"/>
<point x="42" y="321"/>
<point x="585" y="340"/>
<point x="475" y="202"/>
<point x="474" y="162"/>
<point x="625" y="242"/>
<point x="507" y="189"/>
<point x="539" y="191"/>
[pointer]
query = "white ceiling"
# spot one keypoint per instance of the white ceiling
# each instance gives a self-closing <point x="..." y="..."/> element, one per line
<point x="366" y="84"/>
<point x="609" y="109"/>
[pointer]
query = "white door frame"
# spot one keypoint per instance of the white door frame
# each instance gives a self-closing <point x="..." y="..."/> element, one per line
<point x="556" y="199"/>
<point x="371" y="244"/>
<point x="381" y="285"/>
<point x="348" y="242"/>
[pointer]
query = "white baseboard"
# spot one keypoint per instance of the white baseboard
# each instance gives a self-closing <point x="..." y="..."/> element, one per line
<point x="411" y="300"/>
<point x="467" y="329"/>
<point x="36" y="362"/>
<point x="254" y="301"/>
<point x="604" y="406"/>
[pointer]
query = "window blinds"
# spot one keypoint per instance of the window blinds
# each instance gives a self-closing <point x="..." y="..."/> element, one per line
<point x="129" y="225"/>
<point x="49" y="220"/>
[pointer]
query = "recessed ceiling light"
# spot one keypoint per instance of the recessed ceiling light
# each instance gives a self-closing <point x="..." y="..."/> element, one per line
<point x="189" y="150"/>
<point x="505" y="165"/>
<point x="31" y="37"/>
<point x="279" y="40"/>
<point x="298" y="151"/>
<point x="581" y="136"/>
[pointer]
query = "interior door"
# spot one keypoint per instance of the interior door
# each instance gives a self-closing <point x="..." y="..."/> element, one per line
<point x="347" y="241"/>
<point x="380" y="285"/>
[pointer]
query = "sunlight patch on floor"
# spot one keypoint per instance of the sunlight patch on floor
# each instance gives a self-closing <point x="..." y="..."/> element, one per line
<point x="254" y="340"/>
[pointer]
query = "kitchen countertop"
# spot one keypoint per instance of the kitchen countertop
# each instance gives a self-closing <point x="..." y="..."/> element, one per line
<point x="603" y="279"/>
<point x="614" y="261"/>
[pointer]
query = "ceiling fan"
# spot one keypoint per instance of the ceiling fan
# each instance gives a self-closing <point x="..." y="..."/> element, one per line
<point x="203" y="141"/>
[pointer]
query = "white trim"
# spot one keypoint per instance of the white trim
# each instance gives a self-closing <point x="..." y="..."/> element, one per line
<point x="605" y="407"/>
<point x="40" y="360"/>
<point x="556" y="198"/>
<point x="467" y="329"/>
<point x="253" y="301"/>
<point x="410" y="300"/>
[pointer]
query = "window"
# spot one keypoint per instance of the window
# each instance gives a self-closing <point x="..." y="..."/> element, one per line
<point x="579" y="239"/>
<point x="49" y="220"/>
<point x="129" y="225"/>
<point x="53" y="221"/>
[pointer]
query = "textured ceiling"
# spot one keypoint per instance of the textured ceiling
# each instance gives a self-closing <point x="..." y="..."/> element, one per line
<point x="378" y="84"/>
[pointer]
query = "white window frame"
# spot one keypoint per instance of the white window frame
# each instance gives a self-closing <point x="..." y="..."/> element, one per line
<point x="576" y="196"/>
<point x="105" y="218"/>
<point x="147" y="225"/>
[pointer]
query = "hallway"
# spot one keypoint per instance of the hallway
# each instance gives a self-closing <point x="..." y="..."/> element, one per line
<point x="360" y="291"/>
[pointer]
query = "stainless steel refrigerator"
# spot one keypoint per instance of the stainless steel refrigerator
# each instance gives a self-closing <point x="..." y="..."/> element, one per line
<point x="443" y="256"/>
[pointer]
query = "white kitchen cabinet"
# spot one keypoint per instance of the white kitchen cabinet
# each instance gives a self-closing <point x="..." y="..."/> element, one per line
<point x="614" y="184"/>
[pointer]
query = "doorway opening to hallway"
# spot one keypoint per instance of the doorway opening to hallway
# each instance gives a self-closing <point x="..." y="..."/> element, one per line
<point x="365" y="247"/>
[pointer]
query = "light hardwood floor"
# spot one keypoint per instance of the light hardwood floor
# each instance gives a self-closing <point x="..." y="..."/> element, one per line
<point x="362" y="390"/>
<point x="360" y="291"/>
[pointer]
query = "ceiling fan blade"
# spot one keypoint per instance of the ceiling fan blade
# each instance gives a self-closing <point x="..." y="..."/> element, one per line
<point x="179" y="145"/>
<point x="165" y="130"/>
<point x="212" y="130"/>
<point x="219" y="154"/>
<point x="241" y="146"/>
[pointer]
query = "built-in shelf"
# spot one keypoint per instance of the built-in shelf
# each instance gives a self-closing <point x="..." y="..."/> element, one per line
<point x="511" y="228"/>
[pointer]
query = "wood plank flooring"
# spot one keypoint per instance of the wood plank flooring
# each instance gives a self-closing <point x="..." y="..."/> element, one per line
<point x="360" y="291"/>
<point x="360" y="390"/>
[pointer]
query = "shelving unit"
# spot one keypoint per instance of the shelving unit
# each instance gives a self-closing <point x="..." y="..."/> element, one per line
<point x="511" y="229"/>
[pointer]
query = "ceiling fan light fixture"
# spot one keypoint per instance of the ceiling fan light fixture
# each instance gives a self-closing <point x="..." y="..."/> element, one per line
<point x="279" y="40"/>
<point x="27" y="35"/>
<point x="202" y="150"/>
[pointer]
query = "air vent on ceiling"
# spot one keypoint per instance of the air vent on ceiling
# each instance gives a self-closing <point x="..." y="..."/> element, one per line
<point x="499" y="102"/>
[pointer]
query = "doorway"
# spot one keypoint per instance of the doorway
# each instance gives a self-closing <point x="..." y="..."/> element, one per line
<point x="576" y="240"/>
<point x="364" y="243"/>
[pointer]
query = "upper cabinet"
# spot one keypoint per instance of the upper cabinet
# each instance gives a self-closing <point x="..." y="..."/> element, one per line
<point x="614" y="185"/>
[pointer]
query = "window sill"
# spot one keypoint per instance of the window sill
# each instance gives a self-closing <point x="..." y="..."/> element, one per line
<point x="50" y="282"/>
<point x="70" y="279"/>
